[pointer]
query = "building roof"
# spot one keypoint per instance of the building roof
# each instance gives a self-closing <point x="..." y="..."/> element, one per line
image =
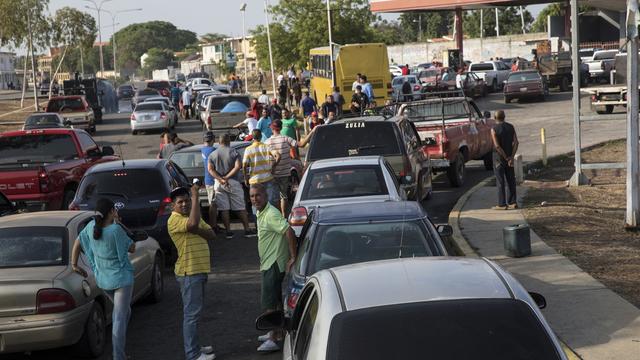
<point x="192" y="57"/>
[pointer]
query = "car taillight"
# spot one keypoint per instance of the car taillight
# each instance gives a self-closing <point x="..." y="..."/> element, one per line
<point x="406" y="167"/>
<point x="209" y="120"/>
<point x="133" y="117"/>
<point x="43" y="180"/>
<point x="49" y="301"/>
<point x="298" y="216"/>
<point x="165" y="207"/>
<point x="416" y="87"/>
<point x="292" y="299"/>
<point x="594" y="98"/>
<point x="74" y="206"/>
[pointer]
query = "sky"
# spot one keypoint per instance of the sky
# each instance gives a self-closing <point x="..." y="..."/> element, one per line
<point x="200" y="16"/>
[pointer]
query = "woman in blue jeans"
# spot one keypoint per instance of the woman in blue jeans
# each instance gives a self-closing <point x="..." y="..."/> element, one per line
<point x="107" y="245"/>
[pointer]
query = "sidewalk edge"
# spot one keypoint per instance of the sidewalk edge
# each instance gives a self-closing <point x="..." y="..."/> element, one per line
<point x="459" y="241"/>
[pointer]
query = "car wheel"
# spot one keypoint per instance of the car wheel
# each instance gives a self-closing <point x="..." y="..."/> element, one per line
<point x="494" y="85"/>
<point x="507" y="100"/>
<point x="67" y="199"/>
<point x="456" y="170"/>
<point x="488" y="160"/>
<point x="157" y="281"/>
<point x="94" y="339"/>
<point x="608" y="109"/>
<point x="134" y="132"/>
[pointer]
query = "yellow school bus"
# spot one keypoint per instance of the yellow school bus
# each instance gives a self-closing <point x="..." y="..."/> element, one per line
<point x="367" y="59"/>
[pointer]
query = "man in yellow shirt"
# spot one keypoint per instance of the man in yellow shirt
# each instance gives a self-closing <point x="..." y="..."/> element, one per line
<point x="258" y="166"/>
<point x="191" y="234"/>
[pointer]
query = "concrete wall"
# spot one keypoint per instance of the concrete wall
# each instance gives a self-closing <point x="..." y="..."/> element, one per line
<point x="474" y="49"/>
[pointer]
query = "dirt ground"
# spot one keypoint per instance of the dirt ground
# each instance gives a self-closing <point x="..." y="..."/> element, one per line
<point x="7" y="106"/>
<point x="586" y="223"/>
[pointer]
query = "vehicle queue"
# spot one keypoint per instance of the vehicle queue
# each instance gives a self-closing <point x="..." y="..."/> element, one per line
<point x="356" y="213"/>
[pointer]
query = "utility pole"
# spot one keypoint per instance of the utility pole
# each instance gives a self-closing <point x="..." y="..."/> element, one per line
<point x="113" y="37"/>
<point x="33" y="59"/>
<point x="420" y="27"/>
<point x="98" y="8"/>
<point x="497" y="24"/>
<point x="273" y="72"/>
<point x="81" y="61"/>
<point x="633" y="171"/>
<point x="243" y="9"/>
<point x="522" y="19"/>
<point x="333" y="76"/>
<point x="481" y="34"/>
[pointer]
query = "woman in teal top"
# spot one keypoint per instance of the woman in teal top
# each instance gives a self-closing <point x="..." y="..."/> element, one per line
<point x="106" y="246"/>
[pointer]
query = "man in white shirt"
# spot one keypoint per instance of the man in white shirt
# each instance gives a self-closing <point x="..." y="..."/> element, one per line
<point x="280" y="78"/>
<point x="356" y="83"/>
<point x="264" y="98"/>
<point x="186" y="103"/>
<point x="250" y="122"/>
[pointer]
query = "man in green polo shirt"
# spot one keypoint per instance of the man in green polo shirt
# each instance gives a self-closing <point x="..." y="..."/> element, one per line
<point x="277" y="251"/>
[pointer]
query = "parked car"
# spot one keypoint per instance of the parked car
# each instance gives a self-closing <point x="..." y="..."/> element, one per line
<point x="6" y="206"/>
<point x="473" y="85"/>
<point x="452" y="131"/>
<point x="162" y="86"/>
<point x="359" y="232"/>
<point x="44" y="88"/>
<point x="200" y="104"/>
<point x="437" y="79"/>
<point x="44" y="121"/>
<point x="140" y="190"/>
<point x="199" y="81"/>
<point x="125" y="91"/>
<point x="214" y="118"/>
<point x="44" y="304"/>
<point x="494" y="73"/>
<point x="151" y="116"/>
<point x="398" y="82"/>
<point x="587" y="54"/>
<point x="525" y="84"/>
<point x="41" y="169"/>
<point x="395" y="70"/>
<point x="75" y="110"/>
<point x="396" y="139"/>
<point x="428" y="307"/>
<point x="601" y="65"/>
<point x="173" y="112"/>
<point x="336" y="181"/>
<point x="142" y="94"/>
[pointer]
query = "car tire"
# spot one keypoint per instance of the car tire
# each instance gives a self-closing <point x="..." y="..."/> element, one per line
<point x="94" y="338"/>
<point x="507" y="100"/>
<point x="608" y="109"/>
<point x="157" y="281"/>
<point x="564" y="84"/>
<point x="456" y="171"/>
<point x="67" y="198"/>
<point x="134" y="132"/>
<point x="488" y="160"/>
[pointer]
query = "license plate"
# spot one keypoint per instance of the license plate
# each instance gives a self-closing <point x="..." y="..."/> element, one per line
<point x="523" y="89"/>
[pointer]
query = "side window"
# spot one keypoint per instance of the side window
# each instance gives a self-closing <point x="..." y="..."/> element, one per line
<point x="393" y="175"/>
<point x="305" y="329"/>
<point x="303" y="246"/>
<point x="177" y="175"/>
<point x="409" y="135"/>
<point x="173" y="178"/>
<point x="86" y="142"/>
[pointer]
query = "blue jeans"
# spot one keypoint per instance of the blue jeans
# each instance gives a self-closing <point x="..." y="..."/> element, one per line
<point x="192" y="291"/>
<point x="121" y="299"/>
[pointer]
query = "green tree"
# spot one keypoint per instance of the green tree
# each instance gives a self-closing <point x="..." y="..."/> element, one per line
<point x="284" y="50"/>
<point x="391" y="32"/>
<point x="434" y="24"/>
<point x="540" y="25"/>
<point x="212" y="37"/>
<point x="509" y="17"/>
<point x="158" y="59"/>
<point x="136" y="39"/>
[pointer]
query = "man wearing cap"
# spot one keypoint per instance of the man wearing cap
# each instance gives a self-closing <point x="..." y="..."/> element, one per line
<point x="224" y="166"/>
<point x="250" y="122"/>
<point x="206" y="150"/>
<point x="312" y="122"/>
<point x="190" y="234"/>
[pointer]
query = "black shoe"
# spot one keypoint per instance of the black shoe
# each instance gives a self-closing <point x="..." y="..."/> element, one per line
<point x="250" y="233"/>
<point x="229" y="235"/>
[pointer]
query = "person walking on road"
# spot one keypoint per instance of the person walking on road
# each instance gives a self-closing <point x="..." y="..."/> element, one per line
<point x="264" y="98"/>
<point x="224" y="166"/>
<point x="175" y="96"/>
<point x="356" y="83"/>
<point x="186" y="103"/>
<point x="308" y="105"/>
<point x="367" y="89"/>
<point x="258" y="166"/>
<point x="275" y="110"/>
<point x="175" y="143"/>
<point x="264" y="125"/>
<point x="277" y="250"/>
<point x="107" y="245"/>
<point x="338" y="99"/>
<point x="290" y="125"/>
<point x="505" y="144"/>
<point x="283" y="93"/>
<point x="296" y="90"/>
<point x="206" y="150"/>
<point x="191" y="236"/>
<point x="260" y="80"/>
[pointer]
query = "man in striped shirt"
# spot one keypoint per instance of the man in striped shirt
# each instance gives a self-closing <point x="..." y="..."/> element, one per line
<point x="258" y="166"/>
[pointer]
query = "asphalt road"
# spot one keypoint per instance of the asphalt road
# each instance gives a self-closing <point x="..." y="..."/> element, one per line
<point x="233" y="290"/>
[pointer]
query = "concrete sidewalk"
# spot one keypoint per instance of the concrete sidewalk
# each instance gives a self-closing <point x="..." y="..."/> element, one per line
<point x="591" y="319"/>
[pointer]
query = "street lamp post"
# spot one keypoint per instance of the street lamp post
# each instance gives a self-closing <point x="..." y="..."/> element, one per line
<point x="333" y="77"/>
<point x="113" y="37"/>
<point x="273" y="73"/>
<point x="98" y="8"/>
<point x="244" y="51"/>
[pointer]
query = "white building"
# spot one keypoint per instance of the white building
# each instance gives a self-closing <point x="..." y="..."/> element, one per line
<point x="7" y="70"/>
<point x="191" y="64"/>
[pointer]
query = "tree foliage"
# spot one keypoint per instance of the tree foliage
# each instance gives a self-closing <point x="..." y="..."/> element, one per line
<point x="540" y="25"/>
<point x="136" y="39"/>
<point x="509" y="20"/>
<point x="74" y="28"/>
<point x="14" y="23"/>
<point x="212" y="37"/>
<point x="434" y="24"/>
<point x="158" y="59"/>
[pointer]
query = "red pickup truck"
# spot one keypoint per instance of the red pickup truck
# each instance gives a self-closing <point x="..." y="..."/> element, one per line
<point x="41" y="169"/>
<point x="453" y="131"/>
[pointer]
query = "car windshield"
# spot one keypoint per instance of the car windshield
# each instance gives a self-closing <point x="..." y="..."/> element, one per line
<point x="219" y="102"/>
<point x="338" y="182"/>
<point x="23" y="149"/>
<point x="343" y="244"/>
<point x="48" y="119"/>
<point x="586" y="53"/>
<point x="525" y="76"/>
<point x="428" y="73"/>
<point x="607" y="55"/>
<point x="72" y="104"/>
<point x="496" y="329"/>
<point x="146" y="92"/>
<point x="126" y="87"/>
<point x="159" y="85"/>
<point x="151" y="106"/>
<point x="481" y="67"/>
<point x="32" y="246"/>
<point x="437" y="110"/>
<point x="127" y="183"/>
<point x="354" y="138"/>
<point x="188" y="159"/>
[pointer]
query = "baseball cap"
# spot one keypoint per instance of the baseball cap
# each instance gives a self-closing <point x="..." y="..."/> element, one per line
<point x="314" y="114"/>
<point x="179" y="191"/>
<point x="208" y="136"/>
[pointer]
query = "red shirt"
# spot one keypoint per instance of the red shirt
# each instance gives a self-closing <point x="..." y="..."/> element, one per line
<point x="405" y="70"/>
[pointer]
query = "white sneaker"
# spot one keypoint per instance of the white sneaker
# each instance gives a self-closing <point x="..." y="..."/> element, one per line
<point x="206" y="349"/>
<point x="206" y="357"/>
<point x="265" y="337"/>
<point x="268" y="346"/>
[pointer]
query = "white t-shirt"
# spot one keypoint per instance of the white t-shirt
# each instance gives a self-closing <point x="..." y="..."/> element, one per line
<point x="280" y="78"/>
<point x="459" y="81"/>
<point x="263" y="99"/>
<point x="355" y="84"/>
<point x="251" y="123"/>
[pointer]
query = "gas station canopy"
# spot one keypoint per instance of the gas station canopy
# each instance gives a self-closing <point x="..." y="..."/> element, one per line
<point x="421" y="5"/>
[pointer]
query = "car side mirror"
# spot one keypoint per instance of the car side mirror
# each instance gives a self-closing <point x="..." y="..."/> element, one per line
<point x="140" y="235"/>
<point x="406" y="180"/>
<point x="67" y="123"/>
<point x="107" y="151"/>
<point x="486" y="114"/>
<point x="270" y="320"/>
<point x="94" y="153"/>
<point x="539" y="300"/>
<point x="444" y="230"/>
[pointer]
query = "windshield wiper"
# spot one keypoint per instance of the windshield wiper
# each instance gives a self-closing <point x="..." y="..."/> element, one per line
<point x="114" y="194"/>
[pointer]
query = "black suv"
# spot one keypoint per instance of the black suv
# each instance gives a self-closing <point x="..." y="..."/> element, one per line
<point x="140" y="190"/>
<point x="396" y="139"/>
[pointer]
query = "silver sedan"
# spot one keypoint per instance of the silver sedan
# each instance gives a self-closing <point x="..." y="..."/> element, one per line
<point x="44" y="304"/>
<point x="151" y="116"/>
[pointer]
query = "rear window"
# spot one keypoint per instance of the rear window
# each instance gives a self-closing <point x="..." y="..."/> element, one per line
<point x="345" y="181"/>
<point x="32" y="246"/>
<point x="159" y="85"/>
<point x="37" y="148"/>
<point x="482" y="67"/>
<point x="497" y="329"/>
<point x="220" y="102"/>
<point x="149" y="106"/>
<point x="354" y="138"/>
<point x="607" y="55"/>
<point x="59" y="105"/>
<point x="42" y="120"/>
<point x="428" y="73"/>
<point x="146" y="92"/>
<point x="528" y="76"/>
<point x="126" y="87"/>
<point x="188" y="160"/>
<point x="436" y="110"/>
<point x="127" y="184"/>
<point x="586" y="53"/>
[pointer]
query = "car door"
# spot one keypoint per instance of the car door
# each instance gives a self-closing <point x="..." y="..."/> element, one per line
<point x="304" y="322"/>
<point x="483" y="126"/>
<point x="416" y="156"/>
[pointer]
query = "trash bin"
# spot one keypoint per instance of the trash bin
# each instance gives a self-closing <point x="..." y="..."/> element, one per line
<point x="517" y="241"/>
